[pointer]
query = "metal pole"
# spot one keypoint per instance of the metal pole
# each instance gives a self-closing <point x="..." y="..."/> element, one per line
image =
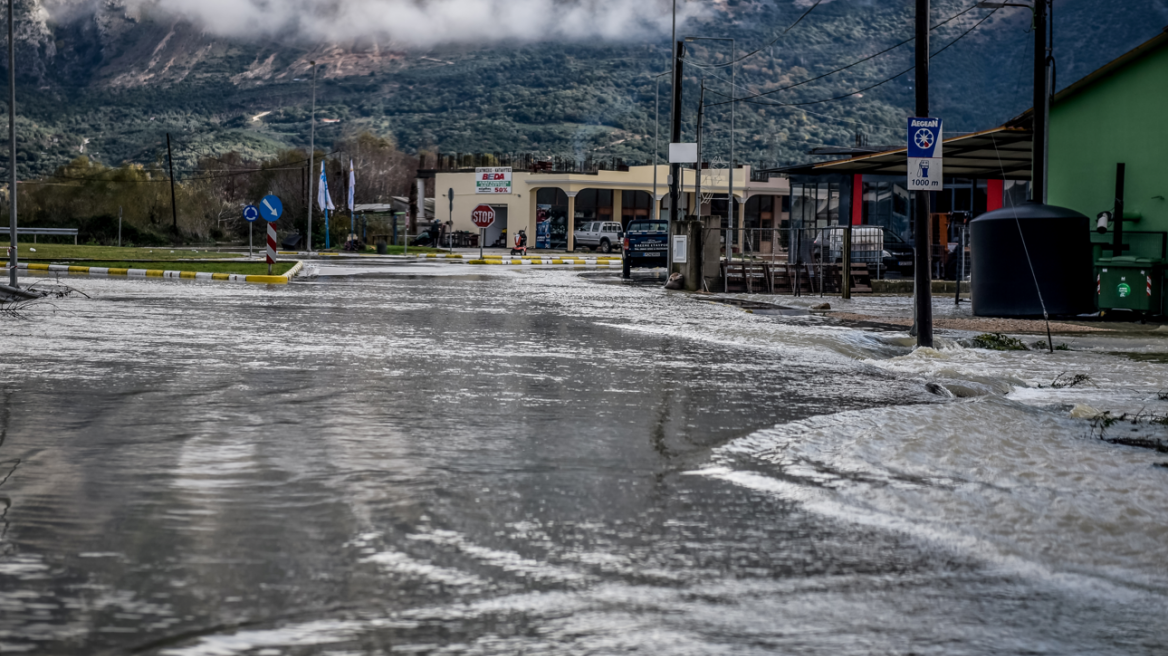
<point x="656" y="145"/>
<point x="119" y="227"/>
<point x="173" y="202"/>
<point x="1038" y="185"/>
<point x="1117" y="230"/>
<point x="924" y="268"/>
<point x="698" y="165"/>
<point x="675" y="137"/>
<point x="311" y="158"/>
<point x="12" y="148"/>
<point x="250" y="232"/>
<point x="731" y="221"/>
<point x="482" y="238"/>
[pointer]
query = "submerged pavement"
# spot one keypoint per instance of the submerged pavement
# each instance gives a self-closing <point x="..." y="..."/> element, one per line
<point x="443" y="459"/>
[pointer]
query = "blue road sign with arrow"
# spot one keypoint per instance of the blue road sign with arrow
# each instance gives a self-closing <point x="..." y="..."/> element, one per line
<point x="271" y="208"/>
<point x="251" y="213"/>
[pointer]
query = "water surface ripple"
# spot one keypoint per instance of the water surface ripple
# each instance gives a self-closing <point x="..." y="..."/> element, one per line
<point x="434" y="459"/>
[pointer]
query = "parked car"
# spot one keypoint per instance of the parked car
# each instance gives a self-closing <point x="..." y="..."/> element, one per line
<point x="646" y="245"/>
<point x="602" y="235"/>
<point x="898" y="255"/>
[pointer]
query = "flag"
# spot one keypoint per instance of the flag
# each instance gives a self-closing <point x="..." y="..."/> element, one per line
<point x="322" y="193"/>
<point x="352" y="184"/>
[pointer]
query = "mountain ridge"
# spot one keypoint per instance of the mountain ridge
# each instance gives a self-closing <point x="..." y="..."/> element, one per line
<point x="112" y="81"/>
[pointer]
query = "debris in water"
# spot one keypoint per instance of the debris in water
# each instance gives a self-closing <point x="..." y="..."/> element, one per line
<point x="1041" y="345"/>
<point x="822" y="307"/>
<point x="998" y="342"/>
<point x="1063" y="381"/>
<point x="676" y="281"/>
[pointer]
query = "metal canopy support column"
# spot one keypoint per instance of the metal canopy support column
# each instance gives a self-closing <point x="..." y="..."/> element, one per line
<point x="571" y="220"/>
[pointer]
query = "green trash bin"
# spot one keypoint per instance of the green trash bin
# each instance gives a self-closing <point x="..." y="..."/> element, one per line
<point x="1130" y="282"/>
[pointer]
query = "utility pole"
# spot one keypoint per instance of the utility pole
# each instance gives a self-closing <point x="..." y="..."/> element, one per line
<point x="698" y="164"/>
<point x="311" y="158"/>
<point x="173" y="203"/>
<point x="923" y="314"/>
<point x="675" y="135"/>
<point x="12" y="147"/>
<point x="1041" y="103"/>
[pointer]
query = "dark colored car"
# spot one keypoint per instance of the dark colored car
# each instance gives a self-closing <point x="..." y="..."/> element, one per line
<point x="898" y="255"/>
<point x="646" y="245"/>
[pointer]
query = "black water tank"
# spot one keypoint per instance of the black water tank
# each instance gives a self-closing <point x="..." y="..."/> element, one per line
<point x="1059" y="242"/>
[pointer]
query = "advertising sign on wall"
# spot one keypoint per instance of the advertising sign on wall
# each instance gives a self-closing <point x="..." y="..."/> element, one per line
<point x="493" y="181"/>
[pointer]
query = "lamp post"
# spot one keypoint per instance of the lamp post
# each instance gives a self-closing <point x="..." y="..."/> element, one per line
<point x="311" y="159"/>
<point x="732" y="220"/>
<point x="1042" y="60"/>
<point x="656" y="144"/>
<point x="12" y="148"/>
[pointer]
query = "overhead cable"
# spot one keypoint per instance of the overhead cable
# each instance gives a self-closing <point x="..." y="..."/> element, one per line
<point x="750" y="100"/>
<point x="866" y="59"/>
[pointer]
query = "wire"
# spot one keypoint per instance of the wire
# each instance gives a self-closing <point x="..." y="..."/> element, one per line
<point x="866" y="59"/>
<point x="857" y="91"/>
<point x="758" y="50"/>
<point x="1026" y="250"/>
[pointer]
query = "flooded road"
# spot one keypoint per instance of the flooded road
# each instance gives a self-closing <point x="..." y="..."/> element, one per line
<point x="436" y="459"/>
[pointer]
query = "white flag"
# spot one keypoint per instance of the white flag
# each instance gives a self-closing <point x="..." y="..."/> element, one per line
<point x="352" y="184"/>
<point x="323" y="199"/>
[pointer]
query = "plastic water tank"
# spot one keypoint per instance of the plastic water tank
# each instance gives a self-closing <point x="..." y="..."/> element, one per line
<point x="1059" y="243"/>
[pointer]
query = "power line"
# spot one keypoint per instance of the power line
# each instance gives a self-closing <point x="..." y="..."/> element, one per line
<point x="760" y="49"/>
<point x="857" y="91"/>
<point x="865" y="59"/>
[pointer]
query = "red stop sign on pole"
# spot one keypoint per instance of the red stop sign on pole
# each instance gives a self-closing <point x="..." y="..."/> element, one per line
<point x="483" y="216"/>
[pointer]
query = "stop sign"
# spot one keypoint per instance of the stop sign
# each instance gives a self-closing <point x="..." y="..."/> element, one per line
<point x="483" y="216"/>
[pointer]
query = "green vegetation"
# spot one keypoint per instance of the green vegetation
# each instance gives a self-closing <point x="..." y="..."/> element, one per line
<point x="69" y="252"/>
<point x="113" y="98"/>
<point x="998" y="342"/>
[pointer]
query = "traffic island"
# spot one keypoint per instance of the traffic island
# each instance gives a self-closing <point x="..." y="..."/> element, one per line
<point x="197" y="271"/>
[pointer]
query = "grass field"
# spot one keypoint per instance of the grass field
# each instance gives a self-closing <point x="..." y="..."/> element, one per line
<point x="66" y="252"/>
<point x="242" y="268"/>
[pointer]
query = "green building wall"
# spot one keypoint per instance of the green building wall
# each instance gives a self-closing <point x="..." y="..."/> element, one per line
<point x="1121" y="118"/>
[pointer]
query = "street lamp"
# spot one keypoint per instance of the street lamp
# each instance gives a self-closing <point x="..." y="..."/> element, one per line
<point x="732" y="223"/>
<point x="311" y="161"/>
<point x="12" y="147"/>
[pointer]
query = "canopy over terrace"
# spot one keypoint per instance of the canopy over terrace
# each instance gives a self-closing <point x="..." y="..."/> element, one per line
<point x="1003" y="153"/>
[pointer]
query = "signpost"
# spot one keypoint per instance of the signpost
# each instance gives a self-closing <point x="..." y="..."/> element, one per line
<point x="450" y="223"/>
<point x="925" y="157"/>
<point x="271" y="209"/>
<point x="483" y="217"/>
<point x="250" y="214"/>
<point x="492" y="180"/>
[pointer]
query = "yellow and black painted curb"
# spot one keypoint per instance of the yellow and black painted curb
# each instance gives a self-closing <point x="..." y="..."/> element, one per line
<point x="159" y="273"/>
<point x="538" y="262"/>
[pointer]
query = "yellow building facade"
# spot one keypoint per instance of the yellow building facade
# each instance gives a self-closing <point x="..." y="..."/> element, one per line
<point x="550" y="205"/>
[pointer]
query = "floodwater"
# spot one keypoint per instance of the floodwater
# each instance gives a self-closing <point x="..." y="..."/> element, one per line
<point x="438" y="459"/>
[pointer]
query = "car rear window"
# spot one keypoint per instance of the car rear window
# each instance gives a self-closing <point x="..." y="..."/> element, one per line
<point x="649" y="226"/>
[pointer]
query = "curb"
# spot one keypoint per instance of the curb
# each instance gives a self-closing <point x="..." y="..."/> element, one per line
<point x="159" y="273"/>
<point x="584" y="263"/>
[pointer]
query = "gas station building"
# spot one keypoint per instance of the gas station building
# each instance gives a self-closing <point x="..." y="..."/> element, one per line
<point x="549" y="205"/>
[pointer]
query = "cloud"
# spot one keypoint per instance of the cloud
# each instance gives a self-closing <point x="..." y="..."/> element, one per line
<point x="429" y="22"/>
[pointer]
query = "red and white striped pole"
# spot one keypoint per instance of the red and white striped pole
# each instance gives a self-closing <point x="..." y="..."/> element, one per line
<point x="271" y="246"/>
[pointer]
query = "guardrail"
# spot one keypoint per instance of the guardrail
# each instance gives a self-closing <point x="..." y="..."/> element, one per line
<point x="48" y="232"/>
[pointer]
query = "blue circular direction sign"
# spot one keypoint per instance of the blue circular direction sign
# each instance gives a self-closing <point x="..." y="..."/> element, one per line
<point x="271" y="208"/>
<point x="251" y="213"/>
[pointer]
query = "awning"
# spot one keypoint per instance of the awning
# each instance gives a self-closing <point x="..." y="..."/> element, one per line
<point x="1003" y="153"/>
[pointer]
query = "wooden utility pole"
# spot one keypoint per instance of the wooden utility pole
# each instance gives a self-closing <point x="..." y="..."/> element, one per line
<point x="922" y="218"/>
<point x="173" y="202"/>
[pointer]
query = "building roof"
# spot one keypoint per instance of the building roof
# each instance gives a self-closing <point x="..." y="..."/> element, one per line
<point x="1140" y="51"/>
<point x="1026" y="118"/>
<point x="1003" y="153"/>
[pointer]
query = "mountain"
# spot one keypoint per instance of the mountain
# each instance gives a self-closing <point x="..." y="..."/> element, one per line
<point x="111" y="78"/>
